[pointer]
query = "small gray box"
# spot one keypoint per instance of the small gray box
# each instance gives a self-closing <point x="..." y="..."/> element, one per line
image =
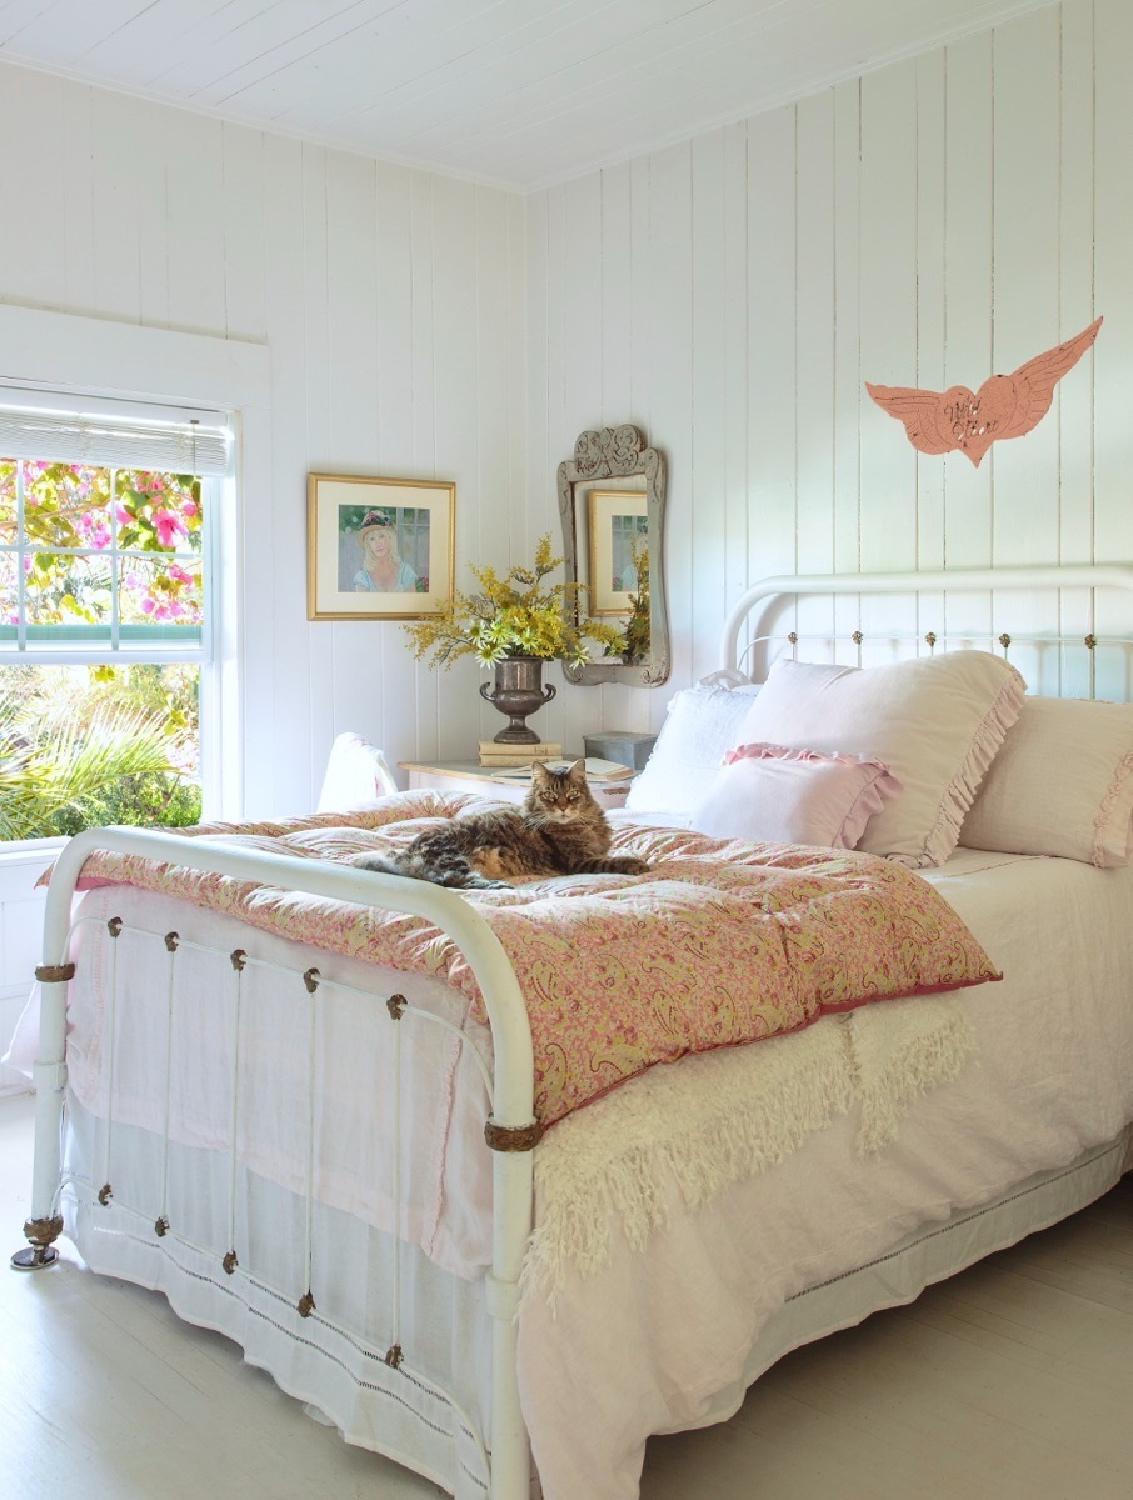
<point x="621" y="746"/>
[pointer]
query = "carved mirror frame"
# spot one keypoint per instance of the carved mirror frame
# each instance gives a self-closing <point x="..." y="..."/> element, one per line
<point x="618" y="453"/>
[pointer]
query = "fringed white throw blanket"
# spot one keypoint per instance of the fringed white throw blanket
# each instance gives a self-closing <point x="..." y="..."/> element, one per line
<point x="726" y="1115"/>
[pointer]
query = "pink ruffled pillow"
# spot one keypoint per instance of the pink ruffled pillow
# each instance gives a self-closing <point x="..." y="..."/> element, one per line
<point x="770" y="793"/>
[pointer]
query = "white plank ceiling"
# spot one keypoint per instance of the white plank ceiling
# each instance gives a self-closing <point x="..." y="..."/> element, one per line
<point x="520" y="93"/>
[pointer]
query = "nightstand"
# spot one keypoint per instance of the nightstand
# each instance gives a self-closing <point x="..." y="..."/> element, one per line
<point x="468" y="776"/>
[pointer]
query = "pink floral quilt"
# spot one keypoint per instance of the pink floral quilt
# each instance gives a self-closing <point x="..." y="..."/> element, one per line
<point x="722" y="943"/>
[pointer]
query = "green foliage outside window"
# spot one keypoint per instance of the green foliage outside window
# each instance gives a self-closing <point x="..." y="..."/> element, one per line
<point x="84" y="746"/>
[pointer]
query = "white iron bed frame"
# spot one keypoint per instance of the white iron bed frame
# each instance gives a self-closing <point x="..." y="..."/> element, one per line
<point x="511" y="1130"/>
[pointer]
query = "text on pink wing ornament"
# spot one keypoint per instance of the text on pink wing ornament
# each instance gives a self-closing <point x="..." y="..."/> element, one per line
<point x="1005" y="406"/>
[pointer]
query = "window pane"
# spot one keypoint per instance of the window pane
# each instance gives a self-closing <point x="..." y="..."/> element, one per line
<point x="83" y="746"/>
<point x="158" y="512"/>
<point x="66" y="505"/>
<point x="161" y="591"/>
<point x="67" y="591"/>
<point x="7" y="502"/>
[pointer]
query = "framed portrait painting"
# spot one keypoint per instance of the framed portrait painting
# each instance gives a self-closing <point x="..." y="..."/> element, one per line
<point x="618" y="525"/>
<point x="378" y="549"/>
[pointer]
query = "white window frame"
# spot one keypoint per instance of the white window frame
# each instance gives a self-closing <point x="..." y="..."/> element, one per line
<point x="94" y="356"/>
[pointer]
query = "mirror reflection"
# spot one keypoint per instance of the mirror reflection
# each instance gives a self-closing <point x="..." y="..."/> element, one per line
<point x="612" y="507"/>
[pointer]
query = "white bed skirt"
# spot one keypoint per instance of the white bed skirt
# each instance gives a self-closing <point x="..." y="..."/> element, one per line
<point x="336" y="1360"/>
<point x="428" y="1414"/>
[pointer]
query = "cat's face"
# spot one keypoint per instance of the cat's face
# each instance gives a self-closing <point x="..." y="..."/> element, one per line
<point x="559" y="795"/>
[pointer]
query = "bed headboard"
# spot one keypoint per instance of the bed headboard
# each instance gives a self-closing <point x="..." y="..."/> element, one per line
<point x="1069" y="629"/>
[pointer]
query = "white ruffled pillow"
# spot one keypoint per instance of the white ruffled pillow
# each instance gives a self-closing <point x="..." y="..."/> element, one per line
<point x="700" y="724"/>
<point x="936" y="721"/>
<point x="1062" y="784"/>
<point x="767" y="793"/>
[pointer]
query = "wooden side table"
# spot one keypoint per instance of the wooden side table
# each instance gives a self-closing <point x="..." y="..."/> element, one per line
<point x="469" y="776"/>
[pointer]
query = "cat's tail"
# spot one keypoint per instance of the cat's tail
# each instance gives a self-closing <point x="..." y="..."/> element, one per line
<point x="384" y="864"/>
<point x="458" y="873"/>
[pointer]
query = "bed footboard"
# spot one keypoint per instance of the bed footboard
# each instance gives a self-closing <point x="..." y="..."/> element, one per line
<point x="510" y="1129"/>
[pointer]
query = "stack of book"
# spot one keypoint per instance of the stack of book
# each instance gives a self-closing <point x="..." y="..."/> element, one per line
<point x="492" y="753"/>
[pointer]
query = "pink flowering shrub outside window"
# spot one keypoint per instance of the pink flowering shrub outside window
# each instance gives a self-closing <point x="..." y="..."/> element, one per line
<point x="92" y="536"/>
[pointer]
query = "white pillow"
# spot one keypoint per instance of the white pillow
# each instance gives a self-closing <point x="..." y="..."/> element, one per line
<point x="700" y="724"/>
<point x="1062" y="784"/>
<point x="936" y="722"/>
<point x="767" y="794"/>
<point x="356" y="773"/>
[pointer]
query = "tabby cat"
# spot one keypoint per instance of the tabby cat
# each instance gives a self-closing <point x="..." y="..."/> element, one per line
<point x="560" y="831"/>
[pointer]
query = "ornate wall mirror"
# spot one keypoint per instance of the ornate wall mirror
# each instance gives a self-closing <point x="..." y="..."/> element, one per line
<point x="612" y="506"/>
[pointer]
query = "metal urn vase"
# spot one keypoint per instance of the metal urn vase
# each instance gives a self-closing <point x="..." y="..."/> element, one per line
<point x="517" y="691"/>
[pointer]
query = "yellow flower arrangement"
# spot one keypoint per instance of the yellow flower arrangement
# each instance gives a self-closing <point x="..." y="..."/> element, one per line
<point x="516" y="615"/>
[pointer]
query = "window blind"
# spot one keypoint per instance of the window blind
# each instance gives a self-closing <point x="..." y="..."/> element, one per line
<point x="104" y="432"/>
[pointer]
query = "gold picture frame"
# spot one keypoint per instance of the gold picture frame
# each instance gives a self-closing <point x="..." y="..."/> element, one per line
<point x="378" y="549"/>
<point x="617" y="523"/>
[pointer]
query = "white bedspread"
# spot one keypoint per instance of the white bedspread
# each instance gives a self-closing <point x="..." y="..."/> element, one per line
<point x="644" y="1345"/>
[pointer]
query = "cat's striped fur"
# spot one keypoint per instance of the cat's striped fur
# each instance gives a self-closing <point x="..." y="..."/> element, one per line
<point x="561" y="830"/>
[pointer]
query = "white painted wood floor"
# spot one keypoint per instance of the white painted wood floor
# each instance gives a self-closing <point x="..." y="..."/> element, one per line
<point x="1011" y="1382"/>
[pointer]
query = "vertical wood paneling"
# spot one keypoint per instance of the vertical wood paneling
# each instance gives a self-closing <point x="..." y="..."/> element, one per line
<point x="850" y="399"/>
<point x="116" y="251"/>
<point x="32" y="147"/>
<point x="456" y="392"/>
<point x="772" y="379"/>
<point x="422" y="369"/>
<point x="352" y="646"/>
<point x="196" y="226"/>
<point x="1113" y="362"/>
<point x="1025" y="292"/>
<point x="968" y="191"/>
<point x="734" y="367"/>
<point x="887" y="241"/>
<point x="814" y="422"/>
<point x="312" y="673"/>
<point x="77" y="292"/>
<point x="280" y="651"/>
<point x="931" y="208"/>
<point x="242" y="164"/>
<point x="617" y="318"/>
<point x="1075" y="405"/>
<point x="706" y="560"/>
<point x="670" y="337"/>
<point x="888" y="292"/>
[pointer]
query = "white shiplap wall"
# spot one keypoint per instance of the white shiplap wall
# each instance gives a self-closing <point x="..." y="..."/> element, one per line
<point x="945" y="217"/>
<point x="391" y="302"/>
<point x="928" y="224"/>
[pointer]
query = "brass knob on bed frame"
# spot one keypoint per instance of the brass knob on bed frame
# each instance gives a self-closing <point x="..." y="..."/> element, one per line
<point x="105" y="1193"/>
<point x="230" y="1263"/>
<point x="306" y="1305"/>
<point x="161" y="1227"/>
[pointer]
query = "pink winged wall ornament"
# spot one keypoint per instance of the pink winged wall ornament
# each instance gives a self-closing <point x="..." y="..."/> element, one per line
<point x="1005" y="406"/>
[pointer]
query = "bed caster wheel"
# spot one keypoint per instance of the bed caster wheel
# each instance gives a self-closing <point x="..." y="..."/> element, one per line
<point x="39" y="1253"/>
<point x="34" y="1258"/>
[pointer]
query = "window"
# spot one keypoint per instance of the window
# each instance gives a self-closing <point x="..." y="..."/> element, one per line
<point x="105" y="611"/>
